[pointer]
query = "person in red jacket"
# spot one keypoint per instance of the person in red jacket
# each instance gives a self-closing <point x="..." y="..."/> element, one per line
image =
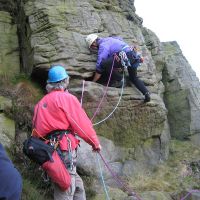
<point x="61" y="111"/>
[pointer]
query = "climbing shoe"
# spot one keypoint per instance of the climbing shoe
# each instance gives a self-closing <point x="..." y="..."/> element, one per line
<point x="147" y="97"/>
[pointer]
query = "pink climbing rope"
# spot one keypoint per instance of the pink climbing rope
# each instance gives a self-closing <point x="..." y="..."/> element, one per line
<point x="117" y="179"/>
<point x="105" y="92"/>
<point x="189" y="193"/>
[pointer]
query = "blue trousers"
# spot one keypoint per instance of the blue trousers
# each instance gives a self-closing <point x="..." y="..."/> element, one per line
<point x="117" y="75"/>
<point x="10" y="179"/>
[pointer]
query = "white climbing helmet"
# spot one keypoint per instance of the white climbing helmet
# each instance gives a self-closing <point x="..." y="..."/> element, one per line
<point x="91" y="38"/>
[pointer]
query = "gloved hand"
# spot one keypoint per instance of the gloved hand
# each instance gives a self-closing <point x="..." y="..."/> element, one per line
<point x="96" y="148"/>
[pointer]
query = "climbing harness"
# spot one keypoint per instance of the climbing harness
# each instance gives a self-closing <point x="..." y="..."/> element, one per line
<point x="124" y="59"/>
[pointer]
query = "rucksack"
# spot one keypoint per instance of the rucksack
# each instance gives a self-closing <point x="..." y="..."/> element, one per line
<point x="37" y="150"/>
<point x="48" y="157"/>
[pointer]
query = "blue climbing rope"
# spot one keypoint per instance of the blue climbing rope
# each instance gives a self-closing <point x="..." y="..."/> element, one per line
<point x="102" y="178"/>
<point x="122" y="90"/>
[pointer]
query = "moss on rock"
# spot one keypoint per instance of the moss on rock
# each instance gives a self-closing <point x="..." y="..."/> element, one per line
<point x="9" y="51"/>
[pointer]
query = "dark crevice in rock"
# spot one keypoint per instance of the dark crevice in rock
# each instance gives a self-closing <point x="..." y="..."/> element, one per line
<point x="8" y="6"/>
<point x="23" y="32"/>
<point x="40" y="76"/>
<point x="14" y="8"/>
<point x="156" y="137"/>
<point x="89" y="78"/>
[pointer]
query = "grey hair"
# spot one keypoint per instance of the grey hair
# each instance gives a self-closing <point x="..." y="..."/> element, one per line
<point x="62" y="85"/>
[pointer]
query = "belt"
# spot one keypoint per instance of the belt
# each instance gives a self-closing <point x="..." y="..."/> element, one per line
<point x="57" y="133"/>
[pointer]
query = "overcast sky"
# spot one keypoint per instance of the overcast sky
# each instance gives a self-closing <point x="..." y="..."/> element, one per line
<point x="174" y="20"/>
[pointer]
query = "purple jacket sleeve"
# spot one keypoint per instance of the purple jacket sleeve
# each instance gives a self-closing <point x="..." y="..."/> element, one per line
<point x="103" y="53"/>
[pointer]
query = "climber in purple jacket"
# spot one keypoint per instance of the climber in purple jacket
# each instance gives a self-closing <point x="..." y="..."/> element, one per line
<point x="10" y="179"/>
<point x="113" y="51"/>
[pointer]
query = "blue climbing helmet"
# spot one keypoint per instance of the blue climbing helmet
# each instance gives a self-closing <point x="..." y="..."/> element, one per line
<point x="57" y="73"/>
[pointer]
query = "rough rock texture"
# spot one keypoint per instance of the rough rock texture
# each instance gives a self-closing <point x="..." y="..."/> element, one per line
<point x="37" y="33"/>
<point x="182" y="93"/>
<point x="7" y="125"/>
<point x="57" y="31"/>
<point x="9" y="48"/>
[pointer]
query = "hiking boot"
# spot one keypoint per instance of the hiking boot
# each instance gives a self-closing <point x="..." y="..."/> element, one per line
<point x="147" y="97"/>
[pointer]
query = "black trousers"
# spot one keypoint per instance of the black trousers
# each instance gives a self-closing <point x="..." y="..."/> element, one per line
<point x="117" y="75"/>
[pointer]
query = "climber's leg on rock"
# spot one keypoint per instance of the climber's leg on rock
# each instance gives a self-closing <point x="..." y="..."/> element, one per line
<point x="138" y="83"/>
